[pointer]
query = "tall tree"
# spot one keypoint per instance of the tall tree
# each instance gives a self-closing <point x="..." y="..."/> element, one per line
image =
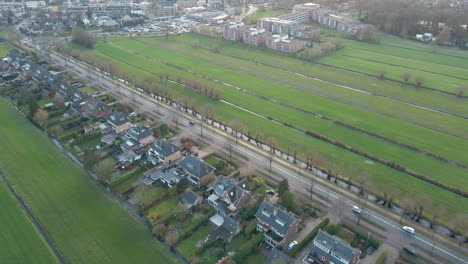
<point x="104" y="169"/>
<point x="237" y="126"/>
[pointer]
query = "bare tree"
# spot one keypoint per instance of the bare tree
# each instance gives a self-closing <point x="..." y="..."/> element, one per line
<point x="421" y="203"/>
<point x="406" y="206"/>
<point x="237" y="126"/>
<point x="271" y="142"/>
<point x="459" y="224"/>
<point x="207" y="112"/>
<point x="462" y="90"/>
<point x="439" y="211"/>
<point x="41" y="117"/>
<point x="419" y="80"/>
<point x="171" y="239"/>
<point x="383" y="74"/>
<point x="229" y="143"/>
<point x="389" y="193"/>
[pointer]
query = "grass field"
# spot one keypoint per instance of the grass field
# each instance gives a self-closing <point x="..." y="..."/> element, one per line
<point x="371" y="84"/>
<point x="139" y="66"/>
<point x="441" y="71"/>
<point x="20" y="241"/>
<point x="85" y="223"/>
<point x="187" y="246"/>
<point x="389" y="151"/>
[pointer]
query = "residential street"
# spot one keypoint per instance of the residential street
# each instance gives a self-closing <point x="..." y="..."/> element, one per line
<point x="259" y="158"/>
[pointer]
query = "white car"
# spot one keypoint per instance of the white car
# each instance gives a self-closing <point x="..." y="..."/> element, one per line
<point x="409" y="229"/>
<point x="357" y="209"/>
<point x="292" y="245"/>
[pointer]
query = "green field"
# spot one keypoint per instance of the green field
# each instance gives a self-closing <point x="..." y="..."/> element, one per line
<point x="188" y="246"/>
<point x="139" y="66"/>
<point x="84" y="222"/>
<point x="441" y="71"/>
<point x="408" y="158"/>
<point x="20" y="241"/>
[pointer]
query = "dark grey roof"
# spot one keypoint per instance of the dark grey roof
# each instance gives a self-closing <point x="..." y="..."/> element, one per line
<point x="128" y="144"/>
<point x="277" y="254"/>
<point x="139" y="132"/>
<point x="110" y="23"/>
<point x="335" y="246"/>
<point x="117" y="119"/>
<point x="226" y="229"/>
<point x="196" y="167"/>
<point x="168" y="175"/>
<point x="276" y="217"/>
<point x="164" y="148"/>
<point x="222" y="186"/>
<point x="189" y="198"/>
<point x="230" y="224"/>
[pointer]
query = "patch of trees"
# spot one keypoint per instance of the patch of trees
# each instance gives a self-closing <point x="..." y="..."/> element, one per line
<point x="83" y="38"/>
<point x="200" y="87"/>
<point x="320" y="49"/>
<point x="133" y="22"/>
<point x="408" y="18"/>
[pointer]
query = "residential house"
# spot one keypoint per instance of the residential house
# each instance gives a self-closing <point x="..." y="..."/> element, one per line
<point x="229" y="198"/>
<point x="40" y="74"/>
<point x="199" y="172"/>
<point x="78" y="101"/>
<point x="96" y="109"/>
<point x="277" y="256"/>
<point x="110" y="25"/>
<point x="65" y="90"/>
<point x="169" y="176"/>
<point x="128" y="157"/>
<point x="190" y="199"/>
<point x="163" y="151"/>
<point x="140" y="134"/>
<point x="276" y="223"/>
<point x="226" y="228"/>
<point x="326" y="249"/>
<point x="119" y="122"/>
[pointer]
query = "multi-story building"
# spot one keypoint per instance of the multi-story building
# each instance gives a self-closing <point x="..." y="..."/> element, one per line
<point x="276" y="223"/>
<point x="285" y="44"/>
<point x="277" y="25"/>
<point x="331" y="19"/>
<point x="234" y="31"/>
<point x="256" y="36"/>
<point x="309" y="8"/>
<point x="230" y="198"/>
<point x="328" y="249"/>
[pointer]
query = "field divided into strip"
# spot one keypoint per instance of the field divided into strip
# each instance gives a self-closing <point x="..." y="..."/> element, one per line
<point x="20" y="241"/>
<point x="138" y="65"/>
<point x="370" y="84"/>
<point x="441" y="72"/>
<point x="83" y="222"/>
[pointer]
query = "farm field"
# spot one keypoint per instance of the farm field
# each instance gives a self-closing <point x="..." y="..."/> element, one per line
<point x="85" y="224"/>
<point x="382" y="175"/>
<point x="441" y="72"/>
<point x="297" y="98"/>
<point x="21" y="242"/>
<point x="371" y="84"/>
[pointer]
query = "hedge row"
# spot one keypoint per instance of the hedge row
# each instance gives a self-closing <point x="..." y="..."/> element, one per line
<point x="390" y="164"/>
<point x="309" y="237"/>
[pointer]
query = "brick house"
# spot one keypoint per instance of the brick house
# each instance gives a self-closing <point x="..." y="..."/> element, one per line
<point x="326" y="249"/>
<point x="163" y="151"/>
<point x="285" y="44"/>
<point x="255" y="36"/>
<point x="234" y="31"/>
<point x="198" y="171"/>
<point x="276" y="223"/>
<point x="140" y="134"/>
<point x="119" y="122"/>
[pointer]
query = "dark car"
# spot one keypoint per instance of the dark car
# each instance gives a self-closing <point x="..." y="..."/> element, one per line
<point x="191" y="123"/>
<point x="410" y="251"/>
<point x="370" y="250"/>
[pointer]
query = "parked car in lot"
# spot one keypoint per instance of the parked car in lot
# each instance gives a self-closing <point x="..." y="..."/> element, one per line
<point x="357" y="209"/>
<point x="410" y="251"/>
<point x="292" y="245"/>
<point x="408" y="229"/>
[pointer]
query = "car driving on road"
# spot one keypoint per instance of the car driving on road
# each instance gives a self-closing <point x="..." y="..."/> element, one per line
<point x="408" y="229"/>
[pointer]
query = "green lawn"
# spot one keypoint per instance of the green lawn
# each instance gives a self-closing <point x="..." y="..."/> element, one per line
<point x="255" y="258"/>
<point x="410" y="159"/>
<point x="139" y="67"/>
<point x="5" y="48"/>
<point x="162" y="208"/>
<point x="84" y="222"/>
<point x="21" y="242"/>
<point x="187" y="246"/>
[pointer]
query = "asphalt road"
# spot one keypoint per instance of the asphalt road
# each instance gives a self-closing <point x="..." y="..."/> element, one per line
<point x="394" y="234"/>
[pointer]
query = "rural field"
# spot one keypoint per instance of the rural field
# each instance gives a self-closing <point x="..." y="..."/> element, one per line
<point x="141" y="57"/>
<point x="83" y="222"/>
<point x="21" y="242"/>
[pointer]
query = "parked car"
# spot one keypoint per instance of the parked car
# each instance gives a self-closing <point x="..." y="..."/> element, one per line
<point x="408" y="229"/>
<point x="309" y="260"/>
<point x="410" y="251"/>
<point x="357" y="209"/>
<point x="370" y="250"/>
<point x="270" y="192"/>
<point x="292" y="245"/>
